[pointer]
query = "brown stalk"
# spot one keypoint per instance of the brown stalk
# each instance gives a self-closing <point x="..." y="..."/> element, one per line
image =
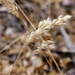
<point x="14" y="11"/>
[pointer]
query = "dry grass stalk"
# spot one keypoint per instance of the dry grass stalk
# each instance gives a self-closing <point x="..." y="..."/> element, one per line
<point x="14" y="8"/>
<point x="43" y="27"/>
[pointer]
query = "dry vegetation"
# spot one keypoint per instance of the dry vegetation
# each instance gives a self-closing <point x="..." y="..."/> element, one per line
<point x="36" y="49"/>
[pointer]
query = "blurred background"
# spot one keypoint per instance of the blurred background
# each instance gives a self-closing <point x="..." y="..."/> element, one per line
<point x="64" y="38"/>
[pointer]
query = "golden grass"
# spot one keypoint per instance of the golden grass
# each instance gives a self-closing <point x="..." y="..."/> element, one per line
<point x="43" y="27"/>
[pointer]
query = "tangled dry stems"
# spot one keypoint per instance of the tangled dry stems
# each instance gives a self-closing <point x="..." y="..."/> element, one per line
<point x="43" y="27"/>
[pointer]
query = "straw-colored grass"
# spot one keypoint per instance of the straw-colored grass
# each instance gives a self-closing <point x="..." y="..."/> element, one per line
<point x="43" y="27"/>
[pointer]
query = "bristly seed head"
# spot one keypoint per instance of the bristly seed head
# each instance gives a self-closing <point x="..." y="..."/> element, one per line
<point x="11" y="6"/>
<point x="46" y="25"/>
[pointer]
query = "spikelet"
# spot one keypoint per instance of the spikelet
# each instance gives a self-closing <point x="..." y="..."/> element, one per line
<point x="45" y="44"/>
<point x="46" y="25"/>
<point x="11" y="6"/>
